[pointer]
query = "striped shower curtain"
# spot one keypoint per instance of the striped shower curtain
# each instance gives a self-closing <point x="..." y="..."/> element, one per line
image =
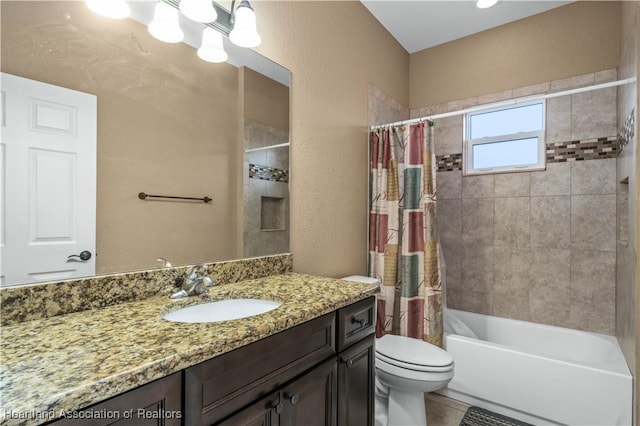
<point x="403" y="242"/>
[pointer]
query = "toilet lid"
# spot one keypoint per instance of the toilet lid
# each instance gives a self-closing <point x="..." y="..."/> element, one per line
<point x="406" y="350"/>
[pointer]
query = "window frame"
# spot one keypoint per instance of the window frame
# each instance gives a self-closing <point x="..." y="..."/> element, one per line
<point x="468" y="143"/>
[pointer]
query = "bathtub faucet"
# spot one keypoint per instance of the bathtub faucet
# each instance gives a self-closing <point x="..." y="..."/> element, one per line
<point x="195" y="281"/>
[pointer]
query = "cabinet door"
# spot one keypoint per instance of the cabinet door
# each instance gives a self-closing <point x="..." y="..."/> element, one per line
<point x="356" y="384"/>
<point x="262" y="413"/>
<point x="222" y="386"/>
<point x="311" y="399"/>
<point x="157" y="403"/>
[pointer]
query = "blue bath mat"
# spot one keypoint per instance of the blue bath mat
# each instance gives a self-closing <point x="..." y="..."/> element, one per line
<point x="476" y="416"/>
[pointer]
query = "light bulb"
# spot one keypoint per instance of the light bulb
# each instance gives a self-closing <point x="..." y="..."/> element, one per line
<point x="199" y="10"/>
<point x="114" y="9"/>
<point x="165" y="26"/>
<point x="211" y="49"/>
<point x="244" y="31"/>
<point x="485" y="4"/>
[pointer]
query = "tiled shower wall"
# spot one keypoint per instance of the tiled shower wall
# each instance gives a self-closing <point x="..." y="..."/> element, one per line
<point x="627" y="321"/>
<point x="383" y="108"/>
<point x="537" y="246"/>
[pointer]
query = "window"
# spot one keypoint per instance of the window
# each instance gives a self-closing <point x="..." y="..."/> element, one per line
<point x="505" y="139"/>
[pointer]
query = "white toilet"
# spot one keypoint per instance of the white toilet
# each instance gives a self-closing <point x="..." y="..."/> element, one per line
<point x="406" y="368"/>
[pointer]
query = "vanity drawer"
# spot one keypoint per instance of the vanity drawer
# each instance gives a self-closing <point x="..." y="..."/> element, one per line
<point x="225" y="384"/>
<point x="355" y="322"/>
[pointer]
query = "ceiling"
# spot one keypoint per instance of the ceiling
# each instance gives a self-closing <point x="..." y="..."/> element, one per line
<point x="418" y="25"/>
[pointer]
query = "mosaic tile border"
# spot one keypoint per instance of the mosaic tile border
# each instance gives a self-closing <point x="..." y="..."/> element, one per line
<point x="257" y="171"/>
<point x="559" y="152"/>
<point x="30" y="302"/>
<point x="449" y="162"/>
<point x="587" y="149"/>
<point x="627" y="132"/>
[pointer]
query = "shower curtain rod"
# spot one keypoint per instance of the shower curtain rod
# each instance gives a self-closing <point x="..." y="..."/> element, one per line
<point x="509" y="102"/>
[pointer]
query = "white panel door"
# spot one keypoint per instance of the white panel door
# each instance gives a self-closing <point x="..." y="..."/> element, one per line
<point x="48" y="182"/>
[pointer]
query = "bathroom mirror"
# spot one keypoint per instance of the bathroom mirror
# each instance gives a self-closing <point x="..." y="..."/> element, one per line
<point x="169" y="124"/>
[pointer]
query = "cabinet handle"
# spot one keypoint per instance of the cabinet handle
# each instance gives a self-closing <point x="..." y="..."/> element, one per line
<point x="293" y="398"/>
<point x="358" y="321"/>
<point x="349" y="362"/>
<point x="277" y="406"/>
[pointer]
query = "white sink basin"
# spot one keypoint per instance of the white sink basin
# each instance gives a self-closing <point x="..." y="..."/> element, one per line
<point x="223" y="310"/>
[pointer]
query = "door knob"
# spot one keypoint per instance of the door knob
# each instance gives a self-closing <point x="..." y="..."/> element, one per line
<point x="84" y="256"/>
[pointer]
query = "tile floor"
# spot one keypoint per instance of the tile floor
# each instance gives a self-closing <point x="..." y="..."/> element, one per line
<point x="443" y="411"/>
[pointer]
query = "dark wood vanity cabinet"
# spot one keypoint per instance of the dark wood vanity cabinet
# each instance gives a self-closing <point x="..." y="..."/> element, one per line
<point x="319" y="373"/>
<point x="157" y="403"/>
<point x="308" y="375"/>
<point x="230" y="384"/>
<point x="309" y="400"/>
<point x="356" y="364"/>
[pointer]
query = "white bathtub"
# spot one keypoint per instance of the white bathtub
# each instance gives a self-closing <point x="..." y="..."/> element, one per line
<point x="536" y="373"/>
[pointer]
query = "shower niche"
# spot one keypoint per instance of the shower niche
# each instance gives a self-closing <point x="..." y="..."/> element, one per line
<point x="623" y="212"/>
<point x="272" y="213"/>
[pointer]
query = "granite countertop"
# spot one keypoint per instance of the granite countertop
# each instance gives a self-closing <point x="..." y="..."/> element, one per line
<point x="71" y="361"/>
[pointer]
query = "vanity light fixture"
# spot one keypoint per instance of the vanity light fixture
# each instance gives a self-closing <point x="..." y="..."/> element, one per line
<point x="165" y="26"/>
<point x="485" y="4"/>
<point x="239" y="24"/>
<point x="211" y="49"/>
<point x="244" y="33"/>
<point x="114" y="9"/>
<point x="198" y="10"/>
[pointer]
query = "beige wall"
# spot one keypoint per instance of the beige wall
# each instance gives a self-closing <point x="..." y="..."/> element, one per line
<point x="333" y="50"/>
<point x="265" y="100"/>
<point x="166" y="125"/>
<point x="576" y="39"/>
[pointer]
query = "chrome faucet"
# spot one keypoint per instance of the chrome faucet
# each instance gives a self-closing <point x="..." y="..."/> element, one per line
<point x="164" y="263"/>
<point x="195" y="281"/>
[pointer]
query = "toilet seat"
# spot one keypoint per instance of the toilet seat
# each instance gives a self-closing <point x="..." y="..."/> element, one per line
<point x="412" y="354"/>
<point x="385" y="370"/>
<point x="414" y="367"/>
